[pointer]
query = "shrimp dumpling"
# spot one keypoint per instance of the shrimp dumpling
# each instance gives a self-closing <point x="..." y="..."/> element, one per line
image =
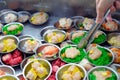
<point x="72" y="52"/>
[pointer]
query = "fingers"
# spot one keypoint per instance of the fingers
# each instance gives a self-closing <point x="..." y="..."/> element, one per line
<point x="101" y="8"/>
<point x="99" y="16"/>
<point x="117" y="4"/>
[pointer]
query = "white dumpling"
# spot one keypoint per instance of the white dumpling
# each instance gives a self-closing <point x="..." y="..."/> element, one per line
<point x="30" y="45"/>
<point x="71" y="68"/>
<point x="1" y="46"/>
<point x="54" y="39"/>
<point x="100" y="75"/>
<point x="94" y="53"/>
<point x="12" y="27"/>
<point x="87" y="23"/>
<point x="10" y="42"/>
<point x="77" y="34"/>
<point x="35" y="65"/>
<point x="67" y="77"/>
<point x="77" y="76"/>
<point x="97" y="34"/>
<point x="65" y="22"/>
<point x="30" y="76"/>
<point x="72" y="52"/>
<point x="10" y="18"/>
<point x="86" y="64"/>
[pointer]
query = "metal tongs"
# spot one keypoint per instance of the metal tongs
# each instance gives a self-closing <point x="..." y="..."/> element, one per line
<point x="85" y="42"/>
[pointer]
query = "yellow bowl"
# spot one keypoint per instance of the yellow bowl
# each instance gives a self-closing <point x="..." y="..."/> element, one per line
<point x="45" y="63"/>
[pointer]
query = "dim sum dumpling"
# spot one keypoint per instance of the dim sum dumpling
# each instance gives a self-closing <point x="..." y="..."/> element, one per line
<point x="87" y="23"/>
<point x="31" y="75"/>
<point x="12" y="27"/>
<point x="77" y="34"/>
<point x="77" y="76"/>
<point x="72" y="73"/>
<point x="10" y="18"/>
<point x="72" y="52"/>
<point x="94" y="53"/>
<point x="30" y="45"/>
<point x="65" y="23"/>
<point x="97" y="34"/>
<point x="39" y="69"/>
<point x="67" y="77"/>
<point x="101" y="75"/>
<point x="1" y="46"/>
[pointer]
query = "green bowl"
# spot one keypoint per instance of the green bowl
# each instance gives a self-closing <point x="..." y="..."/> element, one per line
<point x="91" y="76"/>
<point x="105" y="59"/>
<point x="45" y="35"/>
<point x="101" y="38"/>
<point x="77" y="39"/>
<point x="62" y="69"/>
<point x="17" y="31"/>
<point x="77" y="59"/>
<point x="44" y="62"/>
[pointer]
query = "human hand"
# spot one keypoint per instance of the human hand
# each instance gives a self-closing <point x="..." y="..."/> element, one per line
<point x="103" y="5"/>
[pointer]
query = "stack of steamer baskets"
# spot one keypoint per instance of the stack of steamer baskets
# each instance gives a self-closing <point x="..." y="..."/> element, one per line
<point x="56" y="56"/>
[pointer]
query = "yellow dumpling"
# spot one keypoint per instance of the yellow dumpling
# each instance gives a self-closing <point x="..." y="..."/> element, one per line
<point x="40" y="70"/>
<point x="31" y="75"/>
<point x="9" y="45"/>
<point x="73" y="73"/>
